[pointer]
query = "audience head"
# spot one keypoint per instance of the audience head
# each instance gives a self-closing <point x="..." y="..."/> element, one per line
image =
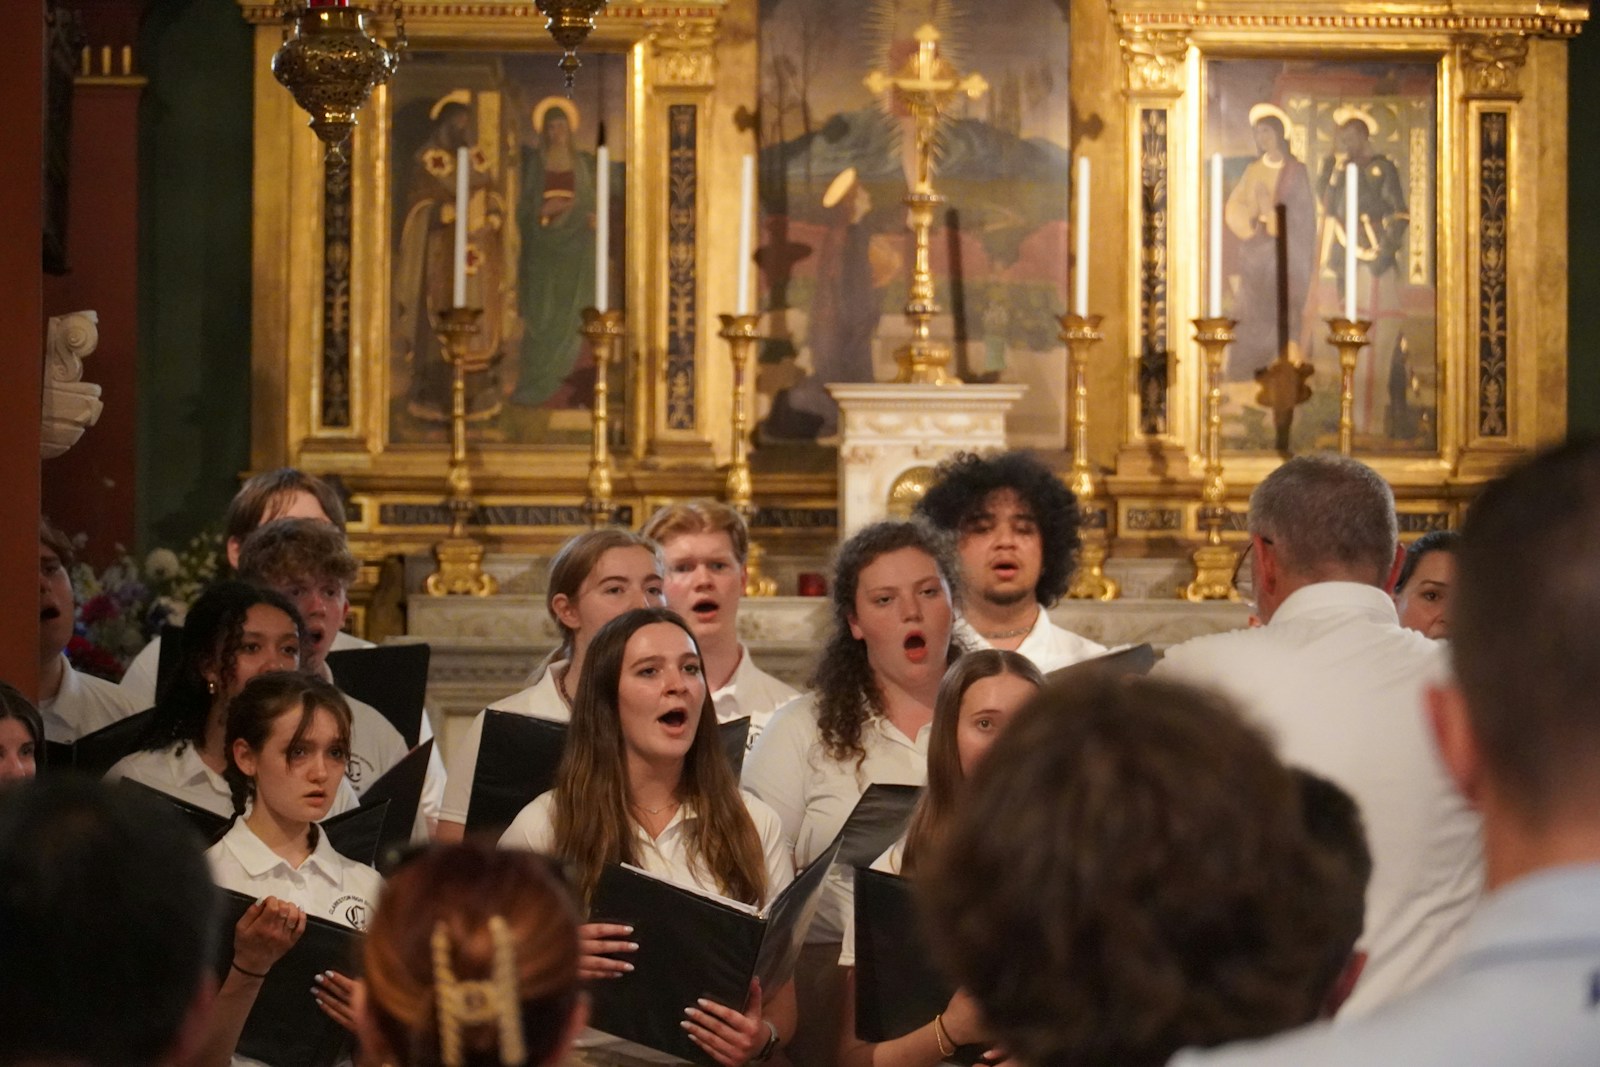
<point x="1152" y="847"/>
<point x="597" y="576"/>
<point x="1520" y="730"/>
<point x="1422" y="592"/>
<point x="978" y="696"/>
<point x="705" y="544"/>
<point x="894" y="595"/>
<point x="642" y="701"/>
<point x="1333" y="819"/>
<point x="1016" y="525"/>
<point x="1320" y="518"/>
<point x="21" y="736"/>
<point x="284" y="493"/>
<point x="472" y="925"/>
<point x="57" y="606"/>
<point x="232" y="633"/>
<point x="107" y="923"/>
<point x="309" y="562"/>
<point x="287" y="743"/>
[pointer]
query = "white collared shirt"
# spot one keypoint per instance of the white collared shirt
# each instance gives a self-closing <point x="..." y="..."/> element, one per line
<point x="891" y="862"/>
<point x="541" y="700"/>
<point x="1338" y="683"/>
<point x="83" y="705"/>
<point x="667" y="856"/>
<point x="178" y="771"/>
<point x="753" y="692"/>
<point x="1047" y="646"/>
<point x="814" y="794"/>
<point x="327" y="884"/>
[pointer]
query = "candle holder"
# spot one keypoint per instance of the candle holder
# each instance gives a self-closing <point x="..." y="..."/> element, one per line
<point x="1089" y="582"/>
<point x="603" y="330"/>
<point x="1349" y="336"/>
<point x="460" y="556"/>
<point x="740" y="333"/>
<point x="1214" y="561"/>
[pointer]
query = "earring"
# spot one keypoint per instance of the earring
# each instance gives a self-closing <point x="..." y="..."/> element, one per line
<point x="211" y="686"/>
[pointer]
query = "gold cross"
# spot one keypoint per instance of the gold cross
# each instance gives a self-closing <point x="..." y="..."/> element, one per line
<point x="927" y="84"/>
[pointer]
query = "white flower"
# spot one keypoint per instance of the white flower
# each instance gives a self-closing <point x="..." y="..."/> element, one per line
<point x="161" y="563"/>
<point x="176" y="609"/>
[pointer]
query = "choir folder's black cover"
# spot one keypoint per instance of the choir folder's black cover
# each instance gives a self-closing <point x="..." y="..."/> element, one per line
<point x="1119" y="662"/>
<point x="692" y="946"/>
<point x="877" y="821"/>
<point x="286" y="1028"/>
<point x="518" y="757"/>
<point x="98" y="752"/>
<point x="400" y="791"/>
<point x="392" y="678"/>
<point x="898" y="989"/>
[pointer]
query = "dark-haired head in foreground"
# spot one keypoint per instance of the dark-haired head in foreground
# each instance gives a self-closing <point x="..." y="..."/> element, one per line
<point x="107" y="923"/>
<point x="1129" y="875"/>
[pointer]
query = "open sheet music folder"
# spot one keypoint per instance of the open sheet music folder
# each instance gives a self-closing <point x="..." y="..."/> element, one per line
<point x="98" y="752"/>
<point x="519" y="755"/>
<point x="392" y="678"/>
<point x="285" y="1027"/>
<point x="694" y="945"/>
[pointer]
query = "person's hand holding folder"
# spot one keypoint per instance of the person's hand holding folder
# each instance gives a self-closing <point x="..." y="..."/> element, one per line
<point x="266" y="930"/>
<point x="730" y="1037"/>
<point x="596" y="941"/>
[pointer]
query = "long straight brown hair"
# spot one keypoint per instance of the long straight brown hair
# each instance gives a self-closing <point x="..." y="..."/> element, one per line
<point x="938" y="801"/>
<point x="593" y="823"/>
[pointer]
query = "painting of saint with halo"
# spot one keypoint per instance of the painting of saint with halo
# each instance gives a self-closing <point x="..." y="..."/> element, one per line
<point x="531" y="217"/>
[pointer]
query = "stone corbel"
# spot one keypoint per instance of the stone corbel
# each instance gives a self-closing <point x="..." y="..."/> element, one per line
<point x="1492" y="64"/>
<point x="1153" y="58"/>
<point x="684" y="54"/>
<point x="71" y="405"/>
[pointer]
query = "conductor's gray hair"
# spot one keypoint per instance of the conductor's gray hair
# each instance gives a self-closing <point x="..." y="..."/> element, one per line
<point x="1328" y="516"/>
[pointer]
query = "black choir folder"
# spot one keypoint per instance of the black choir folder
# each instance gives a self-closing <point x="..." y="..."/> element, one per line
<point x="98" y="752"/>
<point x="1118" y="663"/>
<point x="285" y="1027"/>
<point x="392" y="678"/>
<point x="518" y="757"/>
<point x="898" y="989"/>
<point x="694" y="945"/>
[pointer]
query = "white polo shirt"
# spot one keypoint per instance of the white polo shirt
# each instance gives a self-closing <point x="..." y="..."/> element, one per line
<point x="327" y="884"/>
<point x="541" y="700"/>
<point x="1047" y="645"/>
<point x="814" y="794"/>
<point x="1338" y="683"/>
<point x="753" y="692"/>
<point x="83" y="705"/>
<point x="178" y="771"/>
<point x="667" y="857"/>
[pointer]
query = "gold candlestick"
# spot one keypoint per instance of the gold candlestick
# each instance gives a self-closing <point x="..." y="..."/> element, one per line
<point x="1349" y="337"/>
<point x="927" y="84"/>
<point x="603" y="329"/>
<point x="1213" y="561"/>
<point x="460" y="556"/>
<point x="1089" y="581"/>
<point x="740" y="333"/>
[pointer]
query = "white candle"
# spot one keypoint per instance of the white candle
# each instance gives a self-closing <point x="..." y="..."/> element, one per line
<point x="602" y="227"/>
<point x="1214" y="250"/>
<point x="1080" y="274"/>
<point x="747" y="196"/>
<point x="458" y="290"/>
<point x="1351" y="222"/>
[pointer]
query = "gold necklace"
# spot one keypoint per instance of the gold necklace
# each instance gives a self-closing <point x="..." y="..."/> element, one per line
<point x="654" y="811"/>
<point x="1001" y="635"/>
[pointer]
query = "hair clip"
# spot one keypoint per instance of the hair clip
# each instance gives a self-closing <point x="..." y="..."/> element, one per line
<point x="492" y="1000"/>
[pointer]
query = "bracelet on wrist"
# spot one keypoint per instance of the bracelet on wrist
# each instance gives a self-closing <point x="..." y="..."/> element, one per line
<point x="247" y="974"/>
<point x="941" y="1036"/>
<point x="770" y="1047"/>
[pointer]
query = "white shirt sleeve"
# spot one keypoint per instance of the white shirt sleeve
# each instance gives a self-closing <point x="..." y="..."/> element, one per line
<point x="463" y="764"/>
<point x="434" y="785"/>
<point x="777" y="857"/>
<point x="534" y="828"/>
<point x="775" y="771"/>
<point x="140" y="678"/>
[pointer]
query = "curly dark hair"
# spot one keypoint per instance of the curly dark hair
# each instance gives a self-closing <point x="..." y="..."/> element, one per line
<point x="965" y="482"/>
<point x="843" y="681"/>
<point x="211" y="636"/>
<point x="1153" y="848"/>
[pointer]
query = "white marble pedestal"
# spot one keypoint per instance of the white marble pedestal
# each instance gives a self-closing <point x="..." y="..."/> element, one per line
<point x="888" y="431"/>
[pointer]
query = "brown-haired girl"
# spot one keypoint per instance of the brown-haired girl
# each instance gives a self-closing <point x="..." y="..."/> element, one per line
<point x="644" y="781"/>
<point x="594" y="578"/>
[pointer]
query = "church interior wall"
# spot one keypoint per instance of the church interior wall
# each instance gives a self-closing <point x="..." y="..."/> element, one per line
<point x="1583" y="236"/>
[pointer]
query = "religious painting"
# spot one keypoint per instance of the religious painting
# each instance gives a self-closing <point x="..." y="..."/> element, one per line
<point x="531" y="257"/>
<point x="836" y="253"/>
<point x="1285" y="132"/>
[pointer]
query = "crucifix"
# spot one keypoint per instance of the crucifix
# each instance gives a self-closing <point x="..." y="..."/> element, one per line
<point x="926" y="85"/>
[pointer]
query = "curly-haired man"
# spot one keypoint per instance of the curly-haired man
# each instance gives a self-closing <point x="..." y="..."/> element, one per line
<point x="1016" y="527"/>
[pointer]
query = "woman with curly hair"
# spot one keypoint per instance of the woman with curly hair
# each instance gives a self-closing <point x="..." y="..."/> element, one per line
<point x="234" y="632"/>
<point x="866" y="719"/>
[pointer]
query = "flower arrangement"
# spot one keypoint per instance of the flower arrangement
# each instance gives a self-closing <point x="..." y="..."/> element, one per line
<point x="122" y="608"/>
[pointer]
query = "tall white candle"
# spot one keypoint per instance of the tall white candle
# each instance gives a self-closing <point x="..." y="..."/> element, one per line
<point x="1214" y="245"/>
<point x="747" y="196"/>
<point x="602" y="227"/>
<point x="1080" y="273"/>
<point x="458" y="288"/>
<point x="1351" y="239"/>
